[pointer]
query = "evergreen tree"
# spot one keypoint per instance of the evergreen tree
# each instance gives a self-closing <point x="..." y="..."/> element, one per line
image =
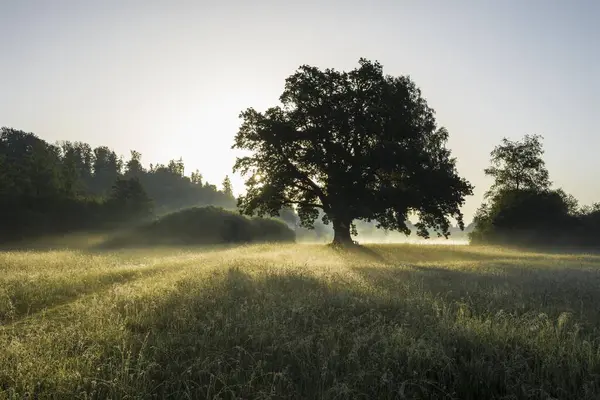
<point x="227" y="188"/>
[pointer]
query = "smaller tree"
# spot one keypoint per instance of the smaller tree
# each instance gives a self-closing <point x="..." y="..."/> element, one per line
<point x="196" y="178"/>
<point x="520" y="207"/>
<point x="133" y="167"/>
<point x="176" y="167"/>
<point x="518" y="165"/>
<point x="107" y="169"/>
<point x="227" y="187"/>
<point x="76" y="158"/>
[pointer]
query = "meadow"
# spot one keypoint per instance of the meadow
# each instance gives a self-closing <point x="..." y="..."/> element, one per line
<point x="298" y="321"/>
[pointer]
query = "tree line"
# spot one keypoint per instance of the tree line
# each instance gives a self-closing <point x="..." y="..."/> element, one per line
<point x="52" y="188"/>
<point x="352" y="149"/>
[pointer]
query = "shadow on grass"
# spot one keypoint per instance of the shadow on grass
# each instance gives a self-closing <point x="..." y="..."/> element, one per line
<point x="294" y="336"/>
<point x="351" y="251"/>
<point x="517" y="289"/>
<point x="54" y="294"/>
<point x="101" y="247"/>
<point x="413" y="253"/>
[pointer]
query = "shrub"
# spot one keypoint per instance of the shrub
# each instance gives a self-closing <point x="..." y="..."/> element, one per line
<point x="530" y="218"/>
<point x="207" y="225"/>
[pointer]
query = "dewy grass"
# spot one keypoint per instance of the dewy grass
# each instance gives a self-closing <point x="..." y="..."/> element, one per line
<point x="300" y="321"/>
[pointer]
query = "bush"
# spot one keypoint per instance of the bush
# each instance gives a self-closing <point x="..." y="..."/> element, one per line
<point x="207" y="225"/>
<point x="270" y="230"/>
<point x="530" y="218"/>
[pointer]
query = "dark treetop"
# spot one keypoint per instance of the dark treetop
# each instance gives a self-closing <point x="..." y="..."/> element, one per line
<point x="518" y="165"/>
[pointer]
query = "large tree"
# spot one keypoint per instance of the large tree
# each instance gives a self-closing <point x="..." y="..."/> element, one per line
<point x="357" y="145"/>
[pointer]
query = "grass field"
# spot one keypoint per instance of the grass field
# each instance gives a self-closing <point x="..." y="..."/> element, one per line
<point x="300" y="321"/>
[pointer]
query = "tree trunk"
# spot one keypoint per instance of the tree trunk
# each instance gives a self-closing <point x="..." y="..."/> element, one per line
<point x="341" y="231"/>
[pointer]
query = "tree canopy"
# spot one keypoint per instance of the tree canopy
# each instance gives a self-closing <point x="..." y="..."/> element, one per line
<point x="356" y="145"/>
<point x="518" y="165"/>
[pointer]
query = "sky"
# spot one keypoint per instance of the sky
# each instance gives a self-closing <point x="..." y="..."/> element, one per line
<point x="169" y="78"/>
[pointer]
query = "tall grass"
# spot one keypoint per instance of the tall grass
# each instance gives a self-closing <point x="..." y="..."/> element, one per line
<point x="300" y="321"/>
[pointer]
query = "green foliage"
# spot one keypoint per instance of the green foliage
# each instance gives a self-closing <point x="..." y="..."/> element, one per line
<point x="107" y="169"/>
<point x="134" y="166"/>
<point x="518" y="165"/>
<point x="77" y="166"/>
<point x="47" y="189"/>
<point x="39" y="191"/>
<point x="355" y="145"/>
<point x="526" y="217"/>
<point x="31" y="166"/>
<point x="227" y="188"/>
<point x="196" y="178"/>
<point x="129" y="199"/>
<point x="300" y="322"/>
<point x="171" y="190"/>
<point x="207" y="225"/>
<point x="521" y="209"/>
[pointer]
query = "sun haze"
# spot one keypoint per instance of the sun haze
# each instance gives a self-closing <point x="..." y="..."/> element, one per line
<point x="169" y="79"/>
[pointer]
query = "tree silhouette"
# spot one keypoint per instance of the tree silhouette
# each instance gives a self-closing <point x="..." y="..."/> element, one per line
<point x="196" y="178"/>
<point x="518" y="165"/>
<point x="77" y="166"/>
<point x="176" y="167"/>
<point x="107" y="168"/>
<point x="227" y="188"/>
<point x="133" y="167"/>
<point x="357" y="145"/>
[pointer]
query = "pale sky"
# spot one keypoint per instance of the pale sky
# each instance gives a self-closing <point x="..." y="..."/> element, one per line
<point x="169" y="78"/>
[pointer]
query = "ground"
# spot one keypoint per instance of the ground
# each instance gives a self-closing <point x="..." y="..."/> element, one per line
<point x="300" y="321"/>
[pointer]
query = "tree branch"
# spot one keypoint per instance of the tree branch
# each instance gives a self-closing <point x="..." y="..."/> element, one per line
<point x="318" y="191"/>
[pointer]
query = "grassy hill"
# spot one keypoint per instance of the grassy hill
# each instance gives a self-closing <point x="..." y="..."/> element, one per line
<point x="204" y="226"/>
<point x="300" y="321"/>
